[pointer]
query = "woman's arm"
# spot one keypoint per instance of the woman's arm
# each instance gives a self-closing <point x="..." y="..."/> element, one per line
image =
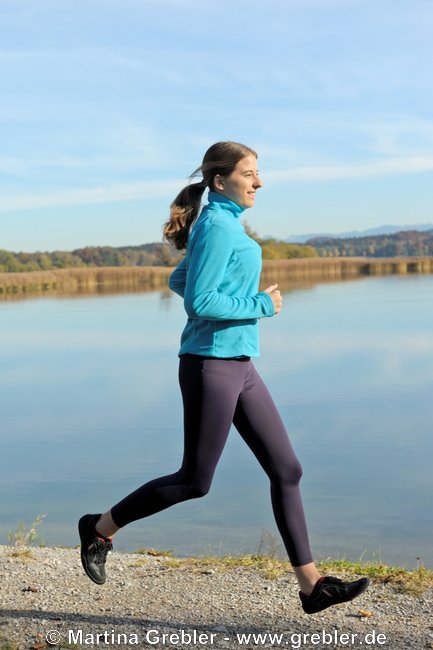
<point x="210" y="255"/>
<point x="177" y="280"/>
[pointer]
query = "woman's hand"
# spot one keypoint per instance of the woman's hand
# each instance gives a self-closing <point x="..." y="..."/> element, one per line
<point x="275" y="296"/>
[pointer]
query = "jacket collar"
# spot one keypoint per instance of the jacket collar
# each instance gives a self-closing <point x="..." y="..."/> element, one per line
<point x="234" y="208"/>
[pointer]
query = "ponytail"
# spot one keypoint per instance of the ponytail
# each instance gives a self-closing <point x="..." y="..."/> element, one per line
<point x="183" y="211"/>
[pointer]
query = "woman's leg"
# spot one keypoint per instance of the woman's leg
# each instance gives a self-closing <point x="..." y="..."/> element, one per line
<point x="259" y="423"/>
<point x="210" y="390"/>
<point x="215" y="391"/>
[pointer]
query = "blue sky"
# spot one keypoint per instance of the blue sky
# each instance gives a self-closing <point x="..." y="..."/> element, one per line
<point x="108" y="105"/>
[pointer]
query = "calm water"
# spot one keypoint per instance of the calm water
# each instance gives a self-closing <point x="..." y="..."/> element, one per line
<point x="90" y="409"/>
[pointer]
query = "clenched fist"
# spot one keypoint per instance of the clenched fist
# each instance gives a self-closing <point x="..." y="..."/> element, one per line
<point x="276" y="297"/>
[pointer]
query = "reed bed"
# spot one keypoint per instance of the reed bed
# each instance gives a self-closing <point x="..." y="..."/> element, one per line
<point x="85" y="280"/>
<point x="146" y="278"/>
<point x="349" y="267"/>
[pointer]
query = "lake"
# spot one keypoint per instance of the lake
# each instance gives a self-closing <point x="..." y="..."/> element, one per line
<point x="91" y="409"/>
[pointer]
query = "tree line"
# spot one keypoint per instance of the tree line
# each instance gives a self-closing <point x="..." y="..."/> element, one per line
<point x="402" y="244"/>
<point x="407" y="243"/>
<point x="157" y="254"/>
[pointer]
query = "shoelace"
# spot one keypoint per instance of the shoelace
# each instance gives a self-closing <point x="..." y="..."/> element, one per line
<point x="336" y="585"/>
<point x="101" y="549"/>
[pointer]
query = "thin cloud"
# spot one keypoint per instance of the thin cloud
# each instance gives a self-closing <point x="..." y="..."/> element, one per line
<point x="119" y="192"/>
<point x="395" y="166"/>
<point x="122" y="192"/>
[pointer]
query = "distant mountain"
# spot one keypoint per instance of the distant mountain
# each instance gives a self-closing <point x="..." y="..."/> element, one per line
<point x="371" y="232"/>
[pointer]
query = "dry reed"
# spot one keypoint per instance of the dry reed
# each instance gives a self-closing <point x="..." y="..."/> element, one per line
<point x="85" y="280"/>
<point x="286" y="272"/>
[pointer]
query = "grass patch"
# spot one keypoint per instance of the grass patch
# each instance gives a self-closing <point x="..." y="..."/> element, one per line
<point x="402" y="580"/>
<point x="414" y="582"/>
<point x="23" y="554"/>
<point x="269" y="567"/>
<point x="25" y="535"/>
<point x="153" y="552"/>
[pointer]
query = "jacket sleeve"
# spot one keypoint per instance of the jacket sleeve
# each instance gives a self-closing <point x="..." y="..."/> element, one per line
<point x="209" y="257"/>
<point x="177" y="279"/>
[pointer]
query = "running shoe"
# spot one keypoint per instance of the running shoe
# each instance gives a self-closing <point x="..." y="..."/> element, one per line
<point x="94" y="549"/>
<point x="331" y="591"/>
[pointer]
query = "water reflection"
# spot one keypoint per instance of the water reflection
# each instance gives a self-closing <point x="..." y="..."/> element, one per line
<point x="91" y="408"/>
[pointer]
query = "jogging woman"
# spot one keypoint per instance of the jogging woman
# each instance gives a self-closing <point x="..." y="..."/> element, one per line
<point x="218" y="279"/>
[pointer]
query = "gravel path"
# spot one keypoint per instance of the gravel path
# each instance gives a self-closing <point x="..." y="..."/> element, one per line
<point x="195" y="607"/>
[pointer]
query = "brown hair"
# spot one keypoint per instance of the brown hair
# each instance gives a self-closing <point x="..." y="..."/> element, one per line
<point x="221" y="158"/>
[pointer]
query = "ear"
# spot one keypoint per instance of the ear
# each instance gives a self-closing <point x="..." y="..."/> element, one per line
<point x="218" y="182"/>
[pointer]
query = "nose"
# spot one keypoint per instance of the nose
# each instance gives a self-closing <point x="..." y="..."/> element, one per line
<point x="258" y="182"/>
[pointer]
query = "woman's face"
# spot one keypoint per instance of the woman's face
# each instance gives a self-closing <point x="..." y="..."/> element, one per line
<point x="241" y="185"/>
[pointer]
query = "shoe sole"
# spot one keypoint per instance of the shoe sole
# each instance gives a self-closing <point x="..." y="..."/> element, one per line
<point x="82" y="532"/>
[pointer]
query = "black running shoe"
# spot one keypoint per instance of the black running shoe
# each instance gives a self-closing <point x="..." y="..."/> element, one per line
<point x="331" y="591"/>
<point x="94" y="549"/>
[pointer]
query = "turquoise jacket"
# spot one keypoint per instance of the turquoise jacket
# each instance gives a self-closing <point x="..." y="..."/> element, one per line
<point x="218" y="280"/>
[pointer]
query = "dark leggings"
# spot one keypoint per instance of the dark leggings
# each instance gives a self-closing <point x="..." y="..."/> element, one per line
<point x="216" y="393"/>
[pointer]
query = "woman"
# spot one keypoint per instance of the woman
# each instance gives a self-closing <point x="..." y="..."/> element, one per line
<point x="218" y="280"/>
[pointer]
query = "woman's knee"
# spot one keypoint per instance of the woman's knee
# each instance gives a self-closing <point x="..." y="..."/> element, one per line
<point x="197" y="487"/>
<point x="290" y="474"/>
<point x="196" y="491"/>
